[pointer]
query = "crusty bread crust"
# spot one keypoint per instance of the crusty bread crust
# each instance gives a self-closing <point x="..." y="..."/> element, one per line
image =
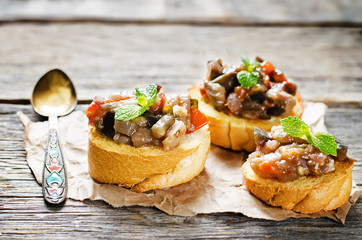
<point x="309" y="194"/>
<point x="237" y="133"/>
<point x="146" y="168"/>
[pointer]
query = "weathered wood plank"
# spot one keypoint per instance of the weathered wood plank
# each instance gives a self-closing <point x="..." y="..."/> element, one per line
<point x="31" y="217"/>
<point x="101" y="59"/>
<point x="347" y="125"/>
<point x="247" y="12"/>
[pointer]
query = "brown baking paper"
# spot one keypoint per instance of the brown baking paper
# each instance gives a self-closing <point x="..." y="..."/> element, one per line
<point x="219" y="188"/>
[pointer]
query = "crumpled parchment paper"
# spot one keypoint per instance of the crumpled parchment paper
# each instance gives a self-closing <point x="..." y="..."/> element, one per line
<point x="219" y="188"/>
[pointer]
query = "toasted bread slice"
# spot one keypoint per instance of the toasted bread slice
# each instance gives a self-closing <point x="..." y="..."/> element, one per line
<point x="307" y="194"/>
<point x="146" y="168"/>
<point x="234" y="132"/>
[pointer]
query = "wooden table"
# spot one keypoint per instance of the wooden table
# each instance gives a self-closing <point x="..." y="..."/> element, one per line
<point x="107" y="46"/>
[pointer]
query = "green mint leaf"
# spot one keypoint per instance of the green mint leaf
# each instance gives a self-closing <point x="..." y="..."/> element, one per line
<point x="141" y="98"/>
<point x="247" y="79"/>
<point x="129" y="112"/>
<point x="250" y="65"/>
<point x="325" y="142"/>
<point x="143" y="101"/>
<point x="253" y="65"/>
<point x="147" y="98"/>
<point x="139" y="93"/>
<point x="151" y="92"/>
<point x="296" y="128"/>
<point x="246" y="61"/>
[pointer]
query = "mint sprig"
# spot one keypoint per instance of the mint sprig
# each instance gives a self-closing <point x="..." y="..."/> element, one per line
<point x="250" y="65"/>
<point x="296" y="127"/>
<point x="248" y="77"/>
<point x="145" y="98"/>
<point x="325" y="142"/>
<point x="129" y="112"/>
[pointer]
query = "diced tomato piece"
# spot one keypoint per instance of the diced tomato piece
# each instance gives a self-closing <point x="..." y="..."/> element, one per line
<point x="291" y="88"/>
<point x="267" y="67"/>
<point x="268" y="168"/>
<point x="157" y="107"/>
<point x="95" y="111"/>
<point x="278" y="76"/>
<point x="197" y="120"/>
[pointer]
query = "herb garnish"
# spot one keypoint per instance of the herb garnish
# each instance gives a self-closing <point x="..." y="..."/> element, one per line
<point x="145" y="98"/>
<point x="295" y="127"/>
<point x="248" y="77"/>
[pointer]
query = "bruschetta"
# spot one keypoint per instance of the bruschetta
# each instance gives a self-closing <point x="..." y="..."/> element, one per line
<point x="144" y="141"/>
<point x="238" y="98"/>
<point x="295" y="174"/>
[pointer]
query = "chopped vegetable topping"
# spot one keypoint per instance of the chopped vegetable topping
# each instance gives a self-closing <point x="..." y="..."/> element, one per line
<point x="197" y="119"/>
<point x="146" y="118"/>
<point x="284" y="153"/>
<point x="251" y="90"/>
<point x="266" y="67"/>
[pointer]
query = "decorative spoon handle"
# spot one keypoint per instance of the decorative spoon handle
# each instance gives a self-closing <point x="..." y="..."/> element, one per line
<point x="54" y="173"/>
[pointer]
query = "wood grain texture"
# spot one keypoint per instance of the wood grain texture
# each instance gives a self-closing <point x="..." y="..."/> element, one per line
<point x="236" y="12"/>
<point x="101" y="59"/>
<point x="92" y="220"/>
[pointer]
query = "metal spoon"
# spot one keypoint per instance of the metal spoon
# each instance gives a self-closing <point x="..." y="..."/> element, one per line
<point x="54" y="95"/>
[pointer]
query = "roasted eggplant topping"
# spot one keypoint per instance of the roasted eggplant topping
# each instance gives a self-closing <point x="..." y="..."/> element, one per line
<point x="260" y="136"/>
<point x="147" y="118"/>
<point x="107" y="125"/>
<point x="217" y="95"/>
<point x="253" y="90"/>
<point x="342" y="149"/>
<point x="228" y="81"/>
<point x="214" y="68"/>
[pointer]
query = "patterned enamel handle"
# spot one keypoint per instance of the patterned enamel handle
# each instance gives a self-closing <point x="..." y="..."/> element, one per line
<point x="54" y="173"/>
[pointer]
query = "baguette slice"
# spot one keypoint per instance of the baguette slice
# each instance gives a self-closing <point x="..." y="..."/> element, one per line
<point x="309" y="194"/>
<point x="237" y="133"/>
<point x="146" y="168"/>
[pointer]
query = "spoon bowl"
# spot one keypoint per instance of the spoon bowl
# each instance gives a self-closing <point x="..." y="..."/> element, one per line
<point x="54" y="95"/>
